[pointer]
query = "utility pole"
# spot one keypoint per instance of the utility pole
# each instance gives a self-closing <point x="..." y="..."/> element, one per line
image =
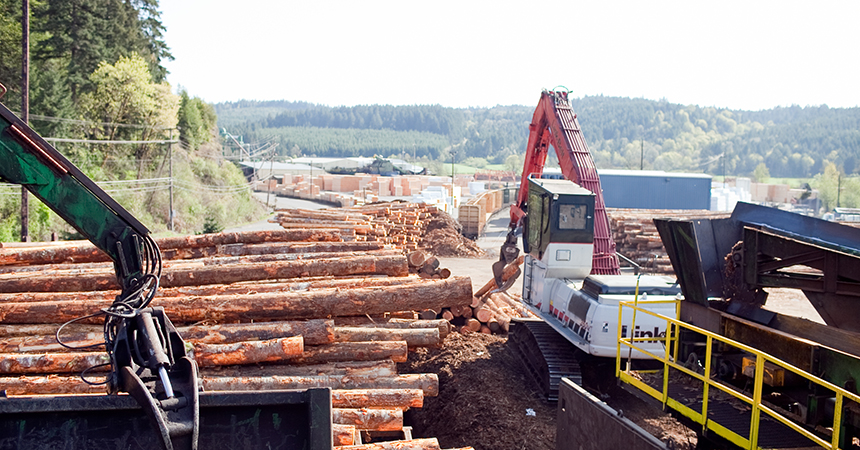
<point x="641" y="154"/>
<point x="838" y="188"/>
<point x="170" y="174"/>
<point x="25" y="107"/>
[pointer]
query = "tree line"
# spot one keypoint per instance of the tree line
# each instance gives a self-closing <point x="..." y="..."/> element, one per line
<point x="97" y="74"/>
<point x="625" y="133"/>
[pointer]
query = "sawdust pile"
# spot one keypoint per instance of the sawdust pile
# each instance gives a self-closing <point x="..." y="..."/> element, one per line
<point x="442" y="238"/>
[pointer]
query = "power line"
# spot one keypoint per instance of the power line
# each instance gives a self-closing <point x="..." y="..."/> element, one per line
<point x="90" y="141"/>
<point x="90" y="122"/>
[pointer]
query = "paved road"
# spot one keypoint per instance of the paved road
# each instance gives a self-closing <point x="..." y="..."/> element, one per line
<point x="276" y="203"/>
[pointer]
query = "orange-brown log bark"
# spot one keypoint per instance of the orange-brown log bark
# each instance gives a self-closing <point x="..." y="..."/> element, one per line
<point x="239" y="288"/>
<point x="193" y="276"/>
<point x="85" y="252"/>
<point x="268" y="306"/>
<point x="376" y="419"/>
<point x="377" y="398"/>
<point x="314" y="332"/>
<point x="342" y="434"/>
<point x="509" y="271"/>
<point x="248" y="352"/>
<point x="412" y="444"/>
<point x="426" y="382"/>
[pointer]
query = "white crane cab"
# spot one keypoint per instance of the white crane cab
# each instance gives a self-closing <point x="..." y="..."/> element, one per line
<point x="558" y="240"/>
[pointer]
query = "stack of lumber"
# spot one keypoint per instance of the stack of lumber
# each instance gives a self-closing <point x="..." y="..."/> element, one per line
<point x="491" y="310"/>
<point x="636" y="236"/>
<point x="397" y="223"/>
<point x="290" y="309"/>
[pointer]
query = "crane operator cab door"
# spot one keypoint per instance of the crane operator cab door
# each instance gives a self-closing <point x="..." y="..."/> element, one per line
<point x="558" y="237"/>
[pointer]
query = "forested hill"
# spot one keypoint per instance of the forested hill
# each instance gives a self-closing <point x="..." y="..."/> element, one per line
<point x="790" y="142"/>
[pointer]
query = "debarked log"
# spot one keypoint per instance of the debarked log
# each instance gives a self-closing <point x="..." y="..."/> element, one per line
<point x="363" y="321"/>
<point x="436" y="294"/>
<point x="426" y="382"/>
<point x="248" y="352"/>
<point x="394" y="266"/>
<point x="414" y="337"/>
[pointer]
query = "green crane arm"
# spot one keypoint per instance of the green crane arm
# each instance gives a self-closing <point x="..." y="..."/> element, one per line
<point x="26" y="159"/>
<point x="148" y="358"/>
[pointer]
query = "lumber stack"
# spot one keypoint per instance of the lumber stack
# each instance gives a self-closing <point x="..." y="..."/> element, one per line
<point x="295" y="309"/>
<point x="636" y="236"/>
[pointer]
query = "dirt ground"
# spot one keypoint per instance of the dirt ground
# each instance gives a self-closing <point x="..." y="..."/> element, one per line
<point x="484" y="396"/>
<point x="484" y="392"/>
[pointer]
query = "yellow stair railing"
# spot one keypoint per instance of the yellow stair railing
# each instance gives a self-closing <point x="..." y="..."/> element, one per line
<point x="670" y="360"/>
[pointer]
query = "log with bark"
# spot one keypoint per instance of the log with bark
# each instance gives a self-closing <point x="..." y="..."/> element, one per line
<point x="248" y="352"/>
<point x="412" y="444"/>
<point x="314" y="332"/>
<point x="238" y="288"/>
<point x="353" y="351"/>
<point x="86" y="252"/>
<point x="381" y="368"/>
<point x="375" y="419"/>
<point x="428" y="383"/>
<point x="267" y="307"/>
<point x="508" y="271"/>
<point x="377" y="398"/>
<point x="342" y="434"/>
<point x="172" y="277"/>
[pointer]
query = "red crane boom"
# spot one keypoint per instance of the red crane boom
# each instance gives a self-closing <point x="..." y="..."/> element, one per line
<point x="554" y="123"/>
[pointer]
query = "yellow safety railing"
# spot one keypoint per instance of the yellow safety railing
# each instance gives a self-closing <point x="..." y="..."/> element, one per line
<point x="673" y="328"/>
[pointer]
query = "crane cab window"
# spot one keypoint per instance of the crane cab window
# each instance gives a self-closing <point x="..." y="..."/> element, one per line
<point x="572" y="217"/>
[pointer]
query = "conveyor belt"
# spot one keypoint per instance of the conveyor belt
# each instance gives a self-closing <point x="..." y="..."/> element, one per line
<point x="546" y="355"/>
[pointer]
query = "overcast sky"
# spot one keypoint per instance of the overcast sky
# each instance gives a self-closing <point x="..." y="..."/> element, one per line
<point x="747" y="55"/>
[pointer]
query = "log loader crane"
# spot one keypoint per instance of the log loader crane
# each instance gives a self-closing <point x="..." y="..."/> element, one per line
<point x="148" y="360"/>
<point x="572" y="274"/>
<point x="740" y="375"/>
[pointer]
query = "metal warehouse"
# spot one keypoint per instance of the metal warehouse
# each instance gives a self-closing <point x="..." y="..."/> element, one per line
<point x="654" y="189"/>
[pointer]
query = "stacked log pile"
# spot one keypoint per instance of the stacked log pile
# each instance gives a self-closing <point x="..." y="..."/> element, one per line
<point x="406" y="226"/>
<point x="292" y="309"/>
<point x="491" y="309"/>
<point x="636" y="236"/>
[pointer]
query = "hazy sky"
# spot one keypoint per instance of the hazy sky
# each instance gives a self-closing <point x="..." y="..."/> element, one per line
<point x="736" y="54"/>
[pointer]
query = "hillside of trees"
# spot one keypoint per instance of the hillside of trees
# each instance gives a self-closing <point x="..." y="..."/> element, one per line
<point x="621" y="133"/>
<point x="96" y="74"/>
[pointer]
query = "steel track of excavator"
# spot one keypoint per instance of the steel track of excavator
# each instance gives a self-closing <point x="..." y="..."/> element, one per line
<point x="546" y="355"/>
